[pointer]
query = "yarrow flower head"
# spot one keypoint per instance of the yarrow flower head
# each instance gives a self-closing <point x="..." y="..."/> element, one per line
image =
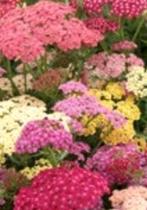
<point x="112" y="65"/>
<point x="95" y="6"/>
<point x="101" y="24"/>
<point x="119" y="164"/>
<point x="24" y="34"/>
<point x="72" y="87"/>
<point x="63" y="188"/>
<point x="124" y="46"/>
<point x="79" y="106"/>
<point x="48" y="80"/>
<point x="2" y="72"/>
<point x="136" y="81"/>
<point x="7" y="5"/>
<point x="128" y="8"/>
<point x="47" y="133"/>
<point x="132" y="198"/>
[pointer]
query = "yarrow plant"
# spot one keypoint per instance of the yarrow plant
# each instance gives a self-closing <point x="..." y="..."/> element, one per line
<point x="119" y="164"/>
<point x="24" y="34"/>
<point x="64" y="188"/>
<point x="48" y="133"/>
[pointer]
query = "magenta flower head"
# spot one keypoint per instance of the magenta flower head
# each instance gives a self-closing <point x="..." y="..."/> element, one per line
<point x="38" y="134"/>
<point x="119" y="164"/>
<point x="73" y="87"/>
<point x="64" y="188"/>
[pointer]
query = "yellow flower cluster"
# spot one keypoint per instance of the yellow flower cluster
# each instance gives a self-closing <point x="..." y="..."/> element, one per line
<point x="91" y="125"/>
<point x="39" y="166"/>
<point x="113" y="96"/>
<point x="137" y="81"/>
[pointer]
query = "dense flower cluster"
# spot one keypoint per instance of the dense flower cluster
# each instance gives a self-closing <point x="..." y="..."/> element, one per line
<point x="136" y="81"/>
<point x="128" y="8"/>
<point x="48" y="80"/>
<point x="132" y="198"/>
<point x="84" y="109"/>
<point x="7" y="5"/>
<point x="125" y="8"/>
<point x="112" y="65"/>
<point x="101" y="24"/>
<point x="113" y="96"/>
<point x="73" y="87"/>
<point x="14" y="113"/>
<point x="64" y="188"/>
<point x="95" y="6"/>
<point x="124" y="46"/>
<point x="24" y="34"/>
<point x="119" y="164"/>
<point x="48" y="133"/>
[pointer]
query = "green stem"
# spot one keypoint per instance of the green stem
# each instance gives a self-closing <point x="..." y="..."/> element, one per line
<point x="10" y="75"/>
<point x="141" y="23"/>
<point x="25" y="77"/>
<point x="121" y="24"/>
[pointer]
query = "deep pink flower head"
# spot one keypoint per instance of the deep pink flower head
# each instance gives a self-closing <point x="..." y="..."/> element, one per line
<point x="42" y="133"/>
<point x="101" y="24"/>
<point x="128" y="8"/>
<point x="95" y="6"/>
<point x="26" y="31"/>
<point x="73" y="87"/>
<point x="64" y="188"/>
<point x="124" y="46"/>
<point x="133" y="60"/>
<point x="119" y="164"/>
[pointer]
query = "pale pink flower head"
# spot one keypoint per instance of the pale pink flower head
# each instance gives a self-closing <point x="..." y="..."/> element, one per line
<point x="128" y="8"/>
<point x="108" y="66"/>
<point x="124" y="46"/>
<point x="72" y="87"/>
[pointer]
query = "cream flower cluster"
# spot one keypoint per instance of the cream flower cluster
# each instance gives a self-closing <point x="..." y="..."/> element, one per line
<point x="132" y="198"/>
<point x="17" y="112"/>
<point x="137" y="81"/>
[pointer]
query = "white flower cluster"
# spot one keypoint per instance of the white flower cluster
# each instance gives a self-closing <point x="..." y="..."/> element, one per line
<point x="18" y="111"/>
<point x="137" y="81"/>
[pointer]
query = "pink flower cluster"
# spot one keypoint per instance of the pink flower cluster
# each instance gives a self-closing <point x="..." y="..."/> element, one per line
<point x="101" y="24"/>
<point x="73" y="87"/>
<point x="119" y="164"/>
<point x="42" y="133"/>
<point x="64" y="188"/>
<point x="124" y="8"/>
<point x="7" y="5"/>
<point x="128" y="8"/>
<point x="95" y="6"/>
<point x="25" y="31"/>
<point x="113" y="65"/>
<point x="124" y="46"/>
<point x="79" y="106"/>
<point x="132" y="198"/>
